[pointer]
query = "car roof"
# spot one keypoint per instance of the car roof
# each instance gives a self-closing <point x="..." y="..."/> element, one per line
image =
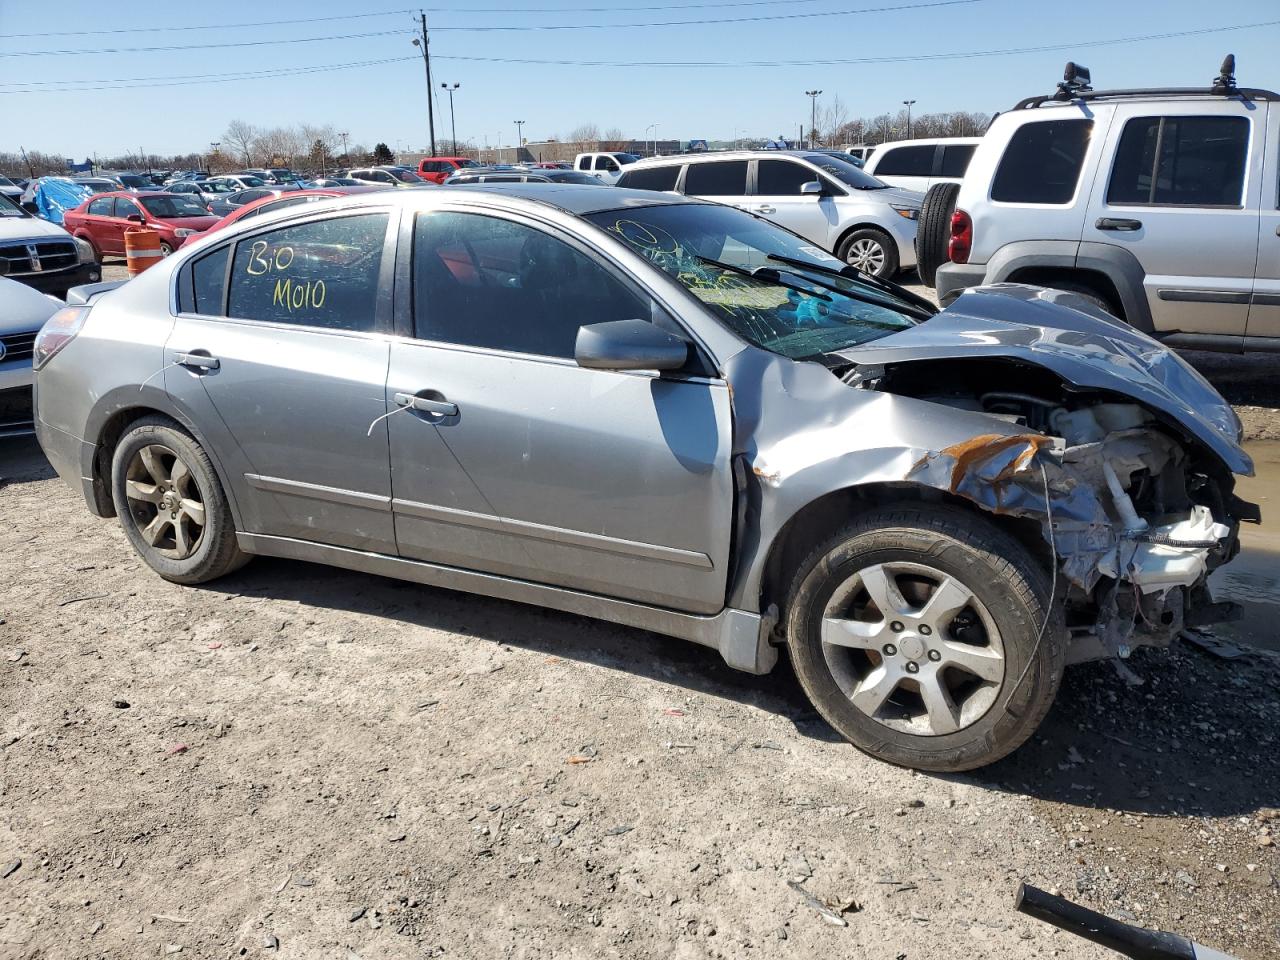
<point x="579" y="199"/>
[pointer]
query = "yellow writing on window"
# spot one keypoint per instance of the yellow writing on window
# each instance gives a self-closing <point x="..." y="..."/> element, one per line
<point x="262" y="259"/>
<point x="302" y="295"/>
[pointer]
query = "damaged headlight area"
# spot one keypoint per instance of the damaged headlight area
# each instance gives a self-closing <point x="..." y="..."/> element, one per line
<point x="1138" y="519"/>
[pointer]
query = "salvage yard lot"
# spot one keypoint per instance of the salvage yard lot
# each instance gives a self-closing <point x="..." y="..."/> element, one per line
<point x="306" y="762"/>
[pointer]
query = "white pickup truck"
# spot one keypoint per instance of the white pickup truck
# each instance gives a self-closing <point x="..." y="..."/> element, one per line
<point x="604" y="166"/>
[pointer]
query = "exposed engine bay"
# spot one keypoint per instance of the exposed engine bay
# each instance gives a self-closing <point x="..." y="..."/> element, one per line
<point x="1137" y="512"/>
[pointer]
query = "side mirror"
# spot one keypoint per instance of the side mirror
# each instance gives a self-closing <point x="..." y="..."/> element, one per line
<point x="629" y="345"/>
<point x="134" y="218"/>
<point x="811" y="189"/>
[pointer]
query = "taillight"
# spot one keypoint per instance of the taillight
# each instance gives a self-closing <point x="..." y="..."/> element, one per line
<point x="57" y="332"/>
<point x="961" y="243"/>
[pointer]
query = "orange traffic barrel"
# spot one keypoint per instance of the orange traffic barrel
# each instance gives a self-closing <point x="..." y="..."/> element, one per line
<point x="141" y="249"/>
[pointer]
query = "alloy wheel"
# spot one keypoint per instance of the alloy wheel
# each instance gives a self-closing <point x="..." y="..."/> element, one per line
<point x="913" y="648"/>
<point x="866" y="255"/>
<point x="165" y="502"/>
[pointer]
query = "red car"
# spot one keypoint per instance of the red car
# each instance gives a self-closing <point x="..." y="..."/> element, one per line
<point x="439" y="169"/>
<point x="270" y="204"/>
<point x="104" y="217"/>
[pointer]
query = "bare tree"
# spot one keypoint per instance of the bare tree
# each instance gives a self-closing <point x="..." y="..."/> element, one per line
<point x="832" y="117"/>
<point x="584" y="137"/>
<point x="239" y="138"/>
<point x="614" y="139"/>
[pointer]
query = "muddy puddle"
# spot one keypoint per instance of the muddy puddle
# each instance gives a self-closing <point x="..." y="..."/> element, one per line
<point x="1253" y="578"/>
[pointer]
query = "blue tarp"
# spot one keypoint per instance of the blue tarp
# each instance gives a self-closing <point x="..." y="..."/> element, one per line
<point x="53" y="196"/>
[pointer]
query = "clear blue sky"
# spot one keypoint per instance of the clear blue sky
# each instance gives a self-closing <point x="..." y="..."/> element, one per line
<point x="387" y="101"/>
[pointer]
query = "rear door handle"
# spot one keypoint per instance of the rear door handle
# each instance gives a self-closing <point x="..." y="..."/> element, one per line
<point x="200" y="360"/>
<point x="1111" y="223"/>
<point x="440" y="408"/>
<point x="765" y="208"/>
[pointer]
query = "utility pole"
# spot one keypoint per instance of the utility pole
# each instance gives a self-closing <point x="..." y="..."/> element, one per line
<point x="908" y="104"/>
<point x="519" y="138"/>
<point x="453" y="126"/>
<point x="813" y="113"/>
<point x="213" y="149"/>
<point x="423" y="43"/>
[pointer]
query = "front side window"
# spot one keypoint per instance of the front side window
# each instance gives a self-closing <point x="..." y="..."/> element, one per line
<point x="651" y="178"/>
<point x="1042" y="162"/>
<point x="846" y="171"/>
<point x="906" y="162"/>
<point x="725" y="259"/>
<point x="723" y="178"/>
<point x="173" y="208"/>
<point x="606" y="163"/>
<point x="486" y="282"/>
<point x="100" y="207"/>
<point x="405" y="176"/>
<point x="318" y="274"/>
<point x="955" y="159"/>
<point x="781" y="178"/>
<point x="1180" y="161"/>
<point x="126" y="208"/>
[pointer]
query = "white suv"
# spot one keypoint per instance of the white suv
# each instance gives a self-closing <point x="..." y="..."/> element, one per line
<point x="823" y="198"/>
<point x="919" y="164"/>
<point x="1161" y="206"/>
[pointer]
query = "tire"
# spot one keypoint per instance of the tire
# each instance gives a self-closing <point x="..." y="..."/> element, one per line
<point x="1088" y="293"/>
<point x="147" y="482"/>
<point x="866" y="239"/>
<point x="933" y="232"/>
<point x="1006" y="630"/>
<point x="166" y="248"/>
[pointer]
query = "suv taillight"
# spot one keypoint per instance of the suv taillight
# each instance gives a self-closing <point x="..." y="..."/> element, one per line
<point x="59" y="330"/>
<point x="961" y="242"/>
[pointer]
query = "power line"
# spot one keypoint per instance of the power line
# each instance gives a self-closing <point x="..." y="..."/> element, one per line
<point x="211" y="26"/>
<point x="905" y="58"/>
<point x="504" y="28"/>
<point x="201" y="46"/>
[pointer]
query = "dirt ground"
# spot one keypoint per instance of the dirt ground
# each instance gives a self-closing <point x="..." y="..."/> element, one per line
<point x="304" y="762"/>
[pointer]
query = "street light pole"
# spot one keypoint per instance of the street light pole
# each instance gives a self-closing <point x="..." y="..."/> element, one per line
<point x="813" y="113"/>
<point x="908" y="104"/>
<point x="453" y="125"/>
<point x="423" y="43"/>
<point x="346" y="157"/>
<point x="213" y="148"/>
<point x="519" y="138"/>
<point x="654" y="128"/>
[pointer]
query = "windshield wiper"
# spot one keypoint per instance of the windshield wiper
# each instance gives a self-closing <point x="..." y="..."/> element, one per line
<point x="852" y="273"/>
<point x="741" y="271"/>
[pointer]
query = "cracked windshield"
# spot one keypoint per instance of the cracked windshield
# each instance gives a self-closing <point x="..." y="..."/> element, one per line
<point x="738" y="267"/>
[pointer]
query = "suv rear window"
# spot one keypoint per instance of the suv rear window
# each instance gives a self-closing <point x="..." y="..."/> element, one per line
<point x="1180" y="161"/>
<point x="906" y="162"/>
<point x="1042" y="162"/>
<point x="651" y="178"/>
<point x="723" y="178"/>
<point x="955" y="159"/>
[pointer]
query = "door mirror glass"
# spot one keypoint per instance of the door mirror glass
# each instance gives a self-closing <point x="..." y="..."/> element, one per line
<point x="811" y="189"/>
<point x="134" y="218"/>
<point x="629" y="345"/>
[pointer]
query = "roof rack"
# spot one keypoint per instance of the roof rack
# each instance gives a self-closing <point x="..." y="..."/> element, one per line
<point x="1075" y="86"/>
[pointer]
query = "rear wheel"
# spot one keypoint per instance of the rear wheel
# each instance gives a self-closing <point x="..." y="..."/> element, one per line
<point x="171" y="505"/>
<point x="933" y="233"/>
<point x="166" y="248"/>
<point x="923" y="635"/>
<point x="871" y="251"/>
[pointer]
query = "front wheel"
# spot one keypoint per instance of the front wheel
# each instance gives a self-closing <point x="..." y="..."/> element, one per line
<point x="166" y="248"/>
<point x="171" y="505"/>
<point x="923" y="635"/>
<point x="872" y="251"/>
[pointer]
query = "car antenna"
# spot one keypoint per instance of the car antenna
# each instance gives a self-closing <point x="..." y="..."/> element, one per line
<point x="1075" y="79"/>
<point x="1225" y="84"/>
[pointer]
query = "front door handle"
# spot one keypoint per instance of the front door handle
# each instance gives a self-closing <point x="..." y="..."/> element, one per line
<point x="765" y="208"/>
<point x="1111" y="223"/>
<point x="439" y="408"/>
<point x="200" y="360"/>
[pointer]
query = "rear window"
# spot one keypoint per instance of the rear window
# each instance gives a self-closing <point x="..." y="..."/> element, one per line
<point x="1042" y="162"/>
<point x="906" y="162"/>
<point x="1180" y="161"/>
<point x="726" y="178"/>
<point x="651" y="178"/>
<point x="955" y="159"/>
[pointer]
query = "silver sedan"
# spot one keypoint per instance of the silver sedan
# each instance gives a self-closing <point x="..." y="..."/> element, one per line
<point x="669" y="414"/>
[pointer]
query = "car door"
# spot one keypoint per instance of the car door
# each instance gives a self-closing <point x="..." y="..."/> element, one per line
<point x="777" y="197"/>
<point x="279" y="353"/>
<point x="115" y="228"/>
<point x="1264" y="308"/>
<point x="606" y="168"/>
<point x="513" y="460"/>
<point x="1181" y="194"/>
<point x="99" y="223"/>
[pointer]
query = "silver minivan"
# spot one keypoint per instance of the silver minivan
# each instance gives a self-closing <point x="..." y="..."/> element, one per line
<point x="822" y="197"/>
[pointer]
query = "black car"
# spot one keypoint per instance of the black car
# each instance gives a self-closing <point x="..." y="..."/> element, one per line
<point x="519" y="175"/>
